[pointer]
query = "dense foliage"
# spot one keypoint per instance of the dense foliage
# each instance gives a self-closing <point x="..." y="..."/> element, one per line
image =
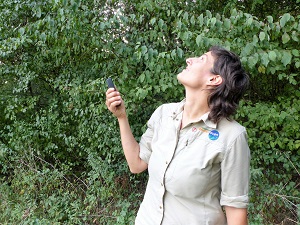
<point x="60" y="154"/>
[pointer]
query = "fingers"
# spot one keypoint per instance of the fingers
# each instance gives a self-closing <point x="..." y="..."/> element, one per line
<point x="113" y="98"/>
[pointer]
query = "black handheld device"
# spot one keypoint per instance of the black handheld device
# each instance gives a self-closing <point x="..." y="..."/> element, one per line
<point x="110" y="83"/>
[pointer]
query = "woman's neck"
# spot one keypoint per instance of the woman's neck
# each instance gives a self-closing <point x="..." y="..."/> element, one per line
<point x="194" y="107"/>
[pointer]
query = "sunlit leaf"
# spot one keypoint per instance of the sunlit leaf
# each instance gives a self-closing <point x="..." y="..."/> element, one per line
<point x="285" y="38"/>
<point x="198" y="40"/>
<point x="249" y="21"/>
<point x="286" y="58"/>
<point x="270" y="19"/>
<point x="284" y="19"/>
<point x="262" y="36"/>
<point x="272" y="55"/>
<point x="265" y="59"/>
<point x="21" y="31"/>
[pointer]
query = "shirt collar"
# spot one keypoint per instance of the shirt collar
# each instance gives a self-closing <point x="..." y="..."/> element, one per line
<point x="203" y="118"/>
<point x="208" y="122"/>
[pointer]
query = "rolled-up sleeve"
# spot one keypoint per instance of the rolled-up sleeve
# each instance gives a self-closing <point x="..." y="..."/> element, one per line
<point x="235" y="174"/>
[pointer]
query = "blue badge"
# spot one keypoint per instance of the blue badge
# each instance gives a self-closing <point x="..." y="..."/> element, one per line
<point x="213" y="135"/>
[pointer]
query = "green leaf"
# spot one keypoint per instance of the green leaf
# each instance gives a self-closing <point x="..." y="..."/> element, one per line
<point x="265" y="59"/>
<point x="21" y="31"/>
<point x="285" y="38"/>
<point x="208" y="14"/>
<point x="272" y="55"/>
<point x="38" y="12"/>
<point x="160" y="23"/>
<point x="213" y="21"/>
<point x="234" y="12"/>
<point x="201" y="21"/>
<point x="270" y="19"/>
<point x="179" y="24"/>
<point x="185" y="35"/>
<point x="173" y="54"/>
<point x="152" y="21"/>
<point x="186" y="16"/>
<point x="247" y="50"/>
<point x="179" y="52"/>
<point x="249" y="21"/>
<point x="142" y="78"/>
<point x="295" y="52"/>
<point x="227" y="23"/>
<point x="162" y="55"/>
<point x="295" y="36"/>
<point x="285" y="18"/>
<point x="286" y="58"/>
<point x="198" y="40"/>
<point x="144" y="49"/>
<point x="43" y="36"/>
<point x="179" y="13"/>
<point x="292" y="79"/>
<point x="255" y="39"/>
<point x="252" y="60"/>
<point x="192" y="20"/>
<point x="281" y="76"/>
<point x="262" y="36"/>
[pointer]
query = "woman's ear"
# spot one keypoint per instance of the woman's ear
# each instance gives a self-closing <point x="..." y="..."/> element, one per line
<point x="215" y="80"/>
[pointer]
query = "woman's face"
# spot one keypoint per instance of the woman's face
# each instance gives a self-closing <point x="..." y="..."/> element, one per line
<point x="197" y="72"/>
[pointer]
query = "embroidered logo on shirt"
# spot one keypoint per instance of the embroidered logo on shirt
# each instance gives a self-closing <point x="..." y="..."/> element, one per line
<point x="214" y="135"/>
<point x="204" y="129"/>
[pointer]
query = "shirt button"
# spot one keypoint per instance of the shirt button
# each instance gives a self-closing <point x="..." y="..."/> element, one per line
<point x="161" y="184"/>
<point x="166" y="162"/>
<point x="160" y="207"/>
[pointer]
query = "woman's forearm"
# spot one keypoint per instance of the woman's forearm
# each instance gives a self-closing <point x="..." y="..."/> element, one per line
<point x="131" y="147"/>
<point x="236" y="216"/>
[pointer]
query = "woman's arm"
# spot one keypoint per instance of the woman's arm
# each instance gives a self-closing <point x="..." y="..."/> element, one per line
<point x="236" y="216"/>
<point x="130" y="146"/>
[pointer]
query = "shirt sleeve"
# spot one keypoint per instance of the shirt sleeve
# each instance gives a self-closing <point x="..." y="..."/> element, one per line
<point x="235" y="174"/>
<point x="146" y="139"/>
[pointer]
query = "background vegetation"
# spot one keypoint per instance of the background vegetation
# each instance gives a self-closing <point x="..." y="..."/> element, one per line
<point x="60" y="155"/>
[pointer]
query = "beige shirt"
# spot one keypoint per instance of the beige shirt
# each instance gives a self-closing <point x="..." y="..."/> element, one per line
<point x="192" y="171"/>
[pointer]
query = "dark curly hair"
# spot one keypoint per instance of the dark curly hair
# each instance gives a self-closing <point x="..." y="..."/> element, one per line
<point x="224" y="98"/>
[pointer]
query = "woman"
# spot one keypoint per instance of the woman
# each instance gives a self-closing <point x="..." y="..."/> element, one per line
<point x="197" y="157"/>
